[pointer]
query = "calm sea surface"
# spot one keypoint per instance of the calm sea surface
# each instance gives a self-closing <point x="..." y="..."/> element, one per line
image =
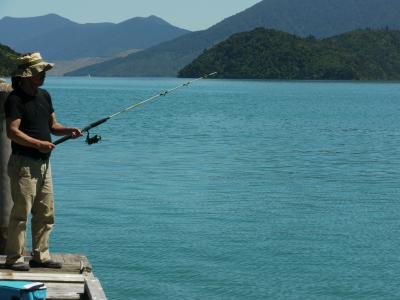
<point x="232" y="189"/>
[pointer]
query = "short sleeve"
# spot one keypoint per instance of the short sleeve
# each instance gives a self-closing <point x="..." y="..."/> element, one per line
<point x="48" y="98"/>
<point x="12" y="107"/>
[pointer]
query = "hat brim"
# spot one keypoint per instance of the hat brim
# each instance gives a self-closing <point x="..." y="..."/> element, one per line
<point x="33" y="70"/>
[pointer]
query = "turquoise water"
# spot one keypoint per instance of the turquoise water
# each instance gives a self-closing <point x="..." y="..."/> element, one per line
<point x="232" y="189"/>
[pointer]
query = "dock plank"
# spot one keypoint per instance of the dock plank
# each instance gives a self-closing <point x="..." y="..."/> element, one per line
<point x="58" y="291"/>
<point x="94" y="289"/>
<point x="73" y="263"/>
<point x="74" y="281"/>
<point x="46" y="277"/>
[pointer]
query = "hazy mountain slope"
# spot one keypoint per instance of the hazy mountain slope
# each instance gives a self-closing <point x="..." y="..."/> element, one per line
<point x="61" y="39"/>
<point x="321" y="18"/>
<point x="16" y="30"/>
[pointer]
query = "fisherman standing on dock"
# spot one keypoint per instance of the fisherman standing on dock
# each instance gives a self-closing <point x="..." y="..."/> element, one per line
<point x="30" y="121"/>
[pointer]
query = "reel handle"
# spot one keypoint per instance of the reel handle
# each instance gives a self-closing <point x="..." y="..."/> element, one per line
<point x="86" y="129"/>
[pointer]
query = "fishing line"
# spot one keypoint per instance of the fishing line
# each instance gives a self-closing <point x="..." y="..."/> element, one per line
<point x="95" y="139"/>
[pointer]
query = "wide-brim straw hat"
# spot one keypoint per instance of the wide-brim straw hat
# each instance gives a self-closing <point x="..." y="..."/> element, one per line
<point x="30" y="64"/>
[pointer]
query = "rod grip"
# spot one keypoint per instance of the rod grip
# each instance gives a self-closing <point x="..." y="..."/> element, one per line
<point x="87" y="128"/>
<point x="62" y="140"/>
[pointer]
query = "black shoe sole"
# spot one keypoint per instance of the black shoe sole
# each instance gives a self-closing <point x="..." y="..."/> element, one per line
<point x="20" y="268"/>
<point x="45" y="265"/>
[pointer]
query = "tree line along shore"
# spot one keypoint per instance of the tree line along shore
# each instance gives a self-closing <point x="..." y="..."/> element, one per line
<point x="362" y="54"/>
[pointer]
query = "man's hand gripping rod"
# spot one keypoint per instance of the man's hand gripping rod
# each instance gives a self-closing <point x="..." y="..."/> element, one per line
<point x="101" y="121"/>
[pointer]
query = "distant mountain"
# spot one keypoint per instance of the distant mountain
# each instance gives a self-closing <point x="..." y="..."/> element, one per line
<point x="271" y="54"/>
<point x="321" y="18"/>
<point x="7" y="60"/>
<point x="58" y="38"/>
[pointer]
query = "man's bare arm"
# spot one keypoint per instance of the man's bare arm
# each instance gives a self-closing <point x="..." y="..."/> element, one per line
<point x="19" y="137"/>
<point x="58" y="129"/>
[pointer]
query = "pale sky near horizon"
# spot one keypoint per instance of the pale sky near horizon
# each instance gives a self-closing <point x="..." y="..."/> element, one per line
<point x="188" y="14"/>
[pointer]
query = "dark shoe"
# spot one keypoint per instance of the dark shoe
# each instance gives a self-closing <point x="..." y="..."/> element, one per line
<point x="18" y="266"/>
<point x="50" y="264"/>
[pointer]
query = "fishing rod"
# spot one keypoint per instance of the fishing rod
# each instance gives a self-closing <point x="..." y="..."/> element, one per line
<point x="95" y="139"/>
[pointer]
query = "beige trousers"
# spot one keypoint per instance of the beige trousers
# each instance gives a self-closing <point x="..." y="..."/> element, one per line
<point x="32" y="192"/>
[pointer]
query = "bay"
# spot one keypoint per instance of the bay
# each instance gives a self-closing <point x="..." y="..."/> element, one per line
<point x="232" y="189"/>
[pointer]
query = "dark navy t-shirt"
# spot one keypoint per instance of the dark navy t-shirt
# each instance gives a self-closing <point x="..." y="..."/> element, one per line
<point x="35" y="114"/>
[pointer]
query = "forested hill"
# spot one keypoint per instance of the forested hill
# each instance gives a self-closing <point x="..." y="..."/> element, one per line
<point x="271" y="54"/>
<point x="7" y="58"/>
<point x="321" y="18"/>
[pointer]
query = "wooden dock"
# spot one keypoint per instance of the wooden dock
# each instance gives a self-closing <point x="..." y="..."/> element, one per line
<point x="74" y="281"/>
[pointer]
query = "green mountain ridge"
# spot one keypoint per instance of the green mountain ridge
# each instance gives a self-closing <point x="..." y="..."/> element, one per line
<point x="321" y="18"/>
<point x="7" y="60"/>
<point x="270" y="54"/>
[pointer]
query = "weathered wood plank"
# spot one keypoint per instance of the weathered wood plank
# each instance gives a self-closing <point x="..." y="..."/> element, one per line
<point x="79" y="261"/>
<point x="56" y="291"/>
<point x="64" y="297"/>
<point x="73" y="281"/>
<point x="46" y="277"/>
<point x="71" y="259"/>
<point x="93" y="289"/>
<point x="74" y="263"/>
<point x="58" y="257"/>
<point x="86" y="265"/>
<point x="64" y="270"/>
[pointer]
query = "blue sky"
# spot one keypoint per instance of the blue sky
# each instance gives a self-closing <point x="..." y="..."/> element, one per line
<point x="188" y="14"/>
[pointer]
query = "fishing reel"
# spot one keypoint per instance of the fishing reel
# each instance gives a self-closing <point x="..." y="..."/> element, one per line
<point x="92" y="140"/>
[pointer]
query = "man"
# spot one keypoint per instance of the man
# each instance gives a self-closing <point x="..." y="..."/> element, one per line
<point x="30" y="121"/>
